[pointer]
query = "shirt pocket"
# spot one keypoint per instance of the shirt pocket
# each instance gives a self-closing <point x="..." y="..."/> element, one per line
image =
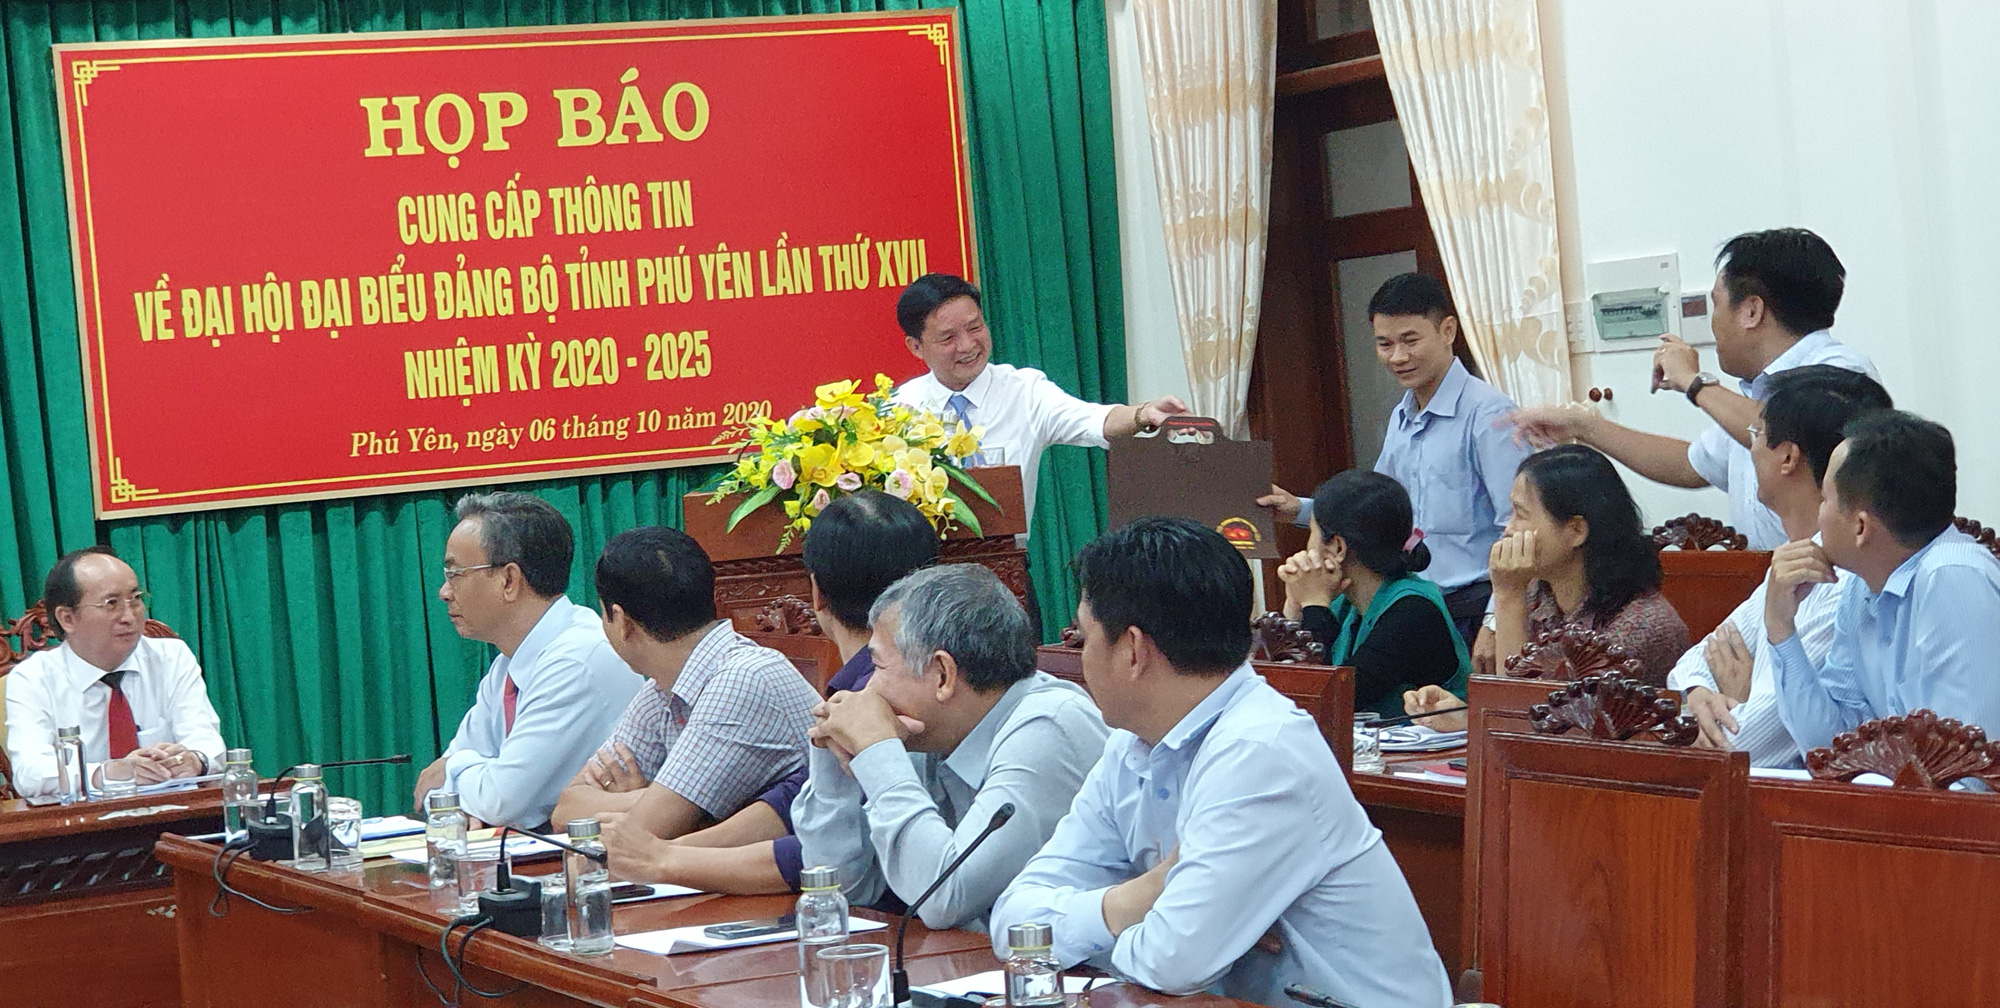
<point x="1445" y="490"/>
<point x="155" y="735"/>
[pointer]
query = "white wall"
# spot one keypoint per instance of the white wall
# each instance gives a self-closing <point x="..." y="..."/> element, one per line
<point x="1154" y="365"/>
<point x="1679" y="123"/>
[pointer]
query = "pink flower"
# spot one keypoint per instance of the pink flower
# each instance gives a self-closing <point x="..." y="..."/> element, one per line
<point x="849" y="482"/>
<point x="821" y="500"/>
<point x="900" y="484"/>
<point x="784" y="475"/>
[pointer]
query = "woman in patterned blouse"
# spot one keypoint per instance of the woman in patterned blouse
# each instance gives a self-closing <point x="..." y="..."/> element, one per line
<point x="1575" y="555"/>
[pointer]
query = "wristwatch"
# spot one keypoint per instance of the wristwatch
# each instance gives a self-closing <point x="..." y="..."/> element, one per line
<point x="1701" y="381"/>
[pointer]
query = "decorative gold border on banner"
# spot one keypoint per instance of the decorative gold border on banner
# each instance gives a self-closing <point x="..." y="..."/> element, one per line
<point x="124" y="490"/>
<point x="121" y="491"/>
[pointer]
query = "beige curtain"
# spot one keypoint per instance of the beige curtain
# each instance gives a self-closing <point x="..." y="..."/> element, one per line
<point x="1210" y="70"/>
<point x="1467" y="79"/>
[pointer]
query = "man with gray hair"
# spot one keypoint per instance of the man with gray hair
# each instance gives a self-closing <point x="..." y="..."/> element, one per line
<point x="954" y="724"/>
<point x="555" y="690"/>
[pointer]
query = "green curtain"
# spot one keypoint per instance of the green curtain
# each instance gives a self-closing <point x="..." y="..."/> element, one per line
<point x="317" y="623"/>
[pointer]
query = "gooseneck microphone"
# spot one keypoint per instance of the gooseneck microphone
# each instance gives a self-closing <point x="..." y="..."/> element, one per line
<point x="271" y="838"/>
<point x="901" y="980"/>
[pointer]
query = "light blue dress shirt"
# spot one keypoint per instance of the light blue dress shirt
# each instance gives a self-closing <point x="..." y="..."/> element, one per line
<point x="571" y="690"/>
<point x="1458" y="466"/>
<point x="901" y="817"/>
<point x="1268" y="833"/>
<point x="1929" y="639"/>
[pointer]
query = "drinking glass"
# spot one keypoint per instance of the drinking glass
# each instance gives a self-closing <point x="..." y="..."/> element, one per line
<point x="478" y="871"/>
<point x="1367" y="749"/>
<point x="857" y="975"/>
<point x="121" y="778"/>
<point x="343" y="820"/>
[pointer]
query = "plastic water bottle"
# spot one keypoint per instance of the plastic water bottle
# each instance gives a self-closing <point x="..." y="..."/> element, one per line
<point x="239" y="794"/>
<point x="444" y="838"/>
<point x="1034" y="977"/>
<point x="70" y="769"/>
<point x="822" y="923"/>
<point x="589" y="885"/>
<point x="310" y="839"/>
<point x="555" y="911"/>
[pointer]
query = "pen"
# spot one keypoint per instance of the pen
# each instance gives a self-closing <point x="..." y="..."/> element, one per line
<point x="1306" y="995"/>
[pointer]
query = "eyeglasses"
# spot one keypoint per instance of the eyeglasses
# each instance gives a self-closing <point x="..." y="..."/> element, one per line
<point x="114" y="606"/>
<point x="454" y="573"/>
<point x="1756" y="433"/>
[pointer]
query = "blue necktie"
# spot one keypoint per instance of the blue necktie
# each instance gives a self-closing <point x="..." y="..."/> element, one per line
<point x="962" y="406"/>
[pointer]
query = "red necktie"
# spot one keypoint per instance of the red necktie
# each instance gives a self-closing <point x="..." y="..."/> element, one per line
<point x="509" y="693"/>
<point x="121" y="729"/>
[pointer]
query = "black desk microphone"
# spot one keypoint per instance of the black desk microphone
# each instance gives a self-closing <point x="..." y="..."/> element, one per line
<point x="271" y="836"/>
<point x="901" y="980"/>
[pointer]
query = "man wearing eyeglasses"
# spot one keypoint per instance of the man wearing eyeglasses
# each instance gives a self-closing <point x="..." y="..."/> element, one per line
<point x="555" y="690"/>
<point x="135" y="697"/>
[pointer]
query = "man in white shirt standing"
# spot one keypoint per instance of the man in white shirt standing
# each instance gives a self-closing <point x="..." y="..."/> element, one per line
<point x="1729" y="679"/>
<point x="1773" y="303"/>
<point x="555" y="690"/>
<point x="135" y="697"/>
<point x="1022" y="411"/>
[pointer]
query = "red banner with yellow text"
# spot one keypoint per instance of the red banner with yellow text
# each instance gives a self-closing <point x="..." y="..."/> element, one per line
<point x="321" y="266"/>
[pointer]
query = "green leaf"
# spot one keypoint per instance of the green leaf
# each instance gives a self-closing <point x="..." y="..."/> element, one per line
<point x="965" y="516"/>
<point x="756" y="500"/>
<point x="965" y="479"/>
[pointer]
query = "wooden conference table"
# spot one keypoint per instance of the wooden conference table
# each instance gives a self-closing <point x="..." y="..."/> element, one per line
<point x="368" y="932"/>
<point x="86" y="913"/>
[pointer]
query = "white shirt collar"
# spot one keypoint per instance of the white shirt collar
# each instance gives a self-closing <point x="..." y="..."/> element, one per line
<point x="83" y="675"/>
<point x="1797" y="355"/>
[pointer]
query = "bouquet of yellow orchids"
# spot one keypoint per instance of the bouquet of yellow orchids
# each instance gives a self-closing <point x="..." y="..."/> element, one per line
<point x="848" y="440"/>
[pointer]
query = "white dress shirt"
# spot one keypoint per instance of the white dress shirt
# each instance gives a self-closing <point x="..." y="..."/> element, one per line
<point x="1268" y="832"/>
<point x="1929" y="639"/>
<point x="56" y="689"/>
<point x="570" y="688"/>
<point x="1725" y="463"/>
<point x="1760" y="729"/>
<point x="1023" y="412"/>
<point x="901" y="817"/>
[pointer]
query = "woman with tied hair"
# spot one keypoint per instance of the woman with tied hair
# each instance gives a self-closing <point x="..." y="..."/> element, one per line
<point x="1355" y="587"/>
<point x="1575" y="555"/>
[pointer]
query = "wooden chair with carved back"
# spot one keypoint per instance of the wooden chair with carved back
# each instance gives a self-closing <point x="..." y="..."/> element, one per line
<point x="1840" y="875"/>
<point x="1604" y="866"/>
<point x="1709" y="570"/>
<point x="34" y="631"/>
<point x="788" y="625"/>
<point x="1284" y="653"/>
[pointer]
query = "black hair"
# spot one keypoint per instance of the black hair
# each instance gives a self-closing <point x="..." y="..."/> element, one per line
<point x="660" y="577"/>
<point x="1181" y="583"/>
<point x="1903" y="469"/>
<point x="927" y="294"/>
<point x="525" y="530"/>
<point x="1620" y="560"/>
<point x="61" y="589"/>
<point x="1372" y="513"/>
<point x="1411" y="294"/>
<point x="1792" y="269"/>
<point x="1810" y="407"/>
<point x="860" y="545"/>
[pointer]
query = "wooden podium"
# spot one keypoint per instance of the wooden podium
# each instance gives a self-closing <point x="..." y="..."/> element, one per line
<point x="750" y="573"/>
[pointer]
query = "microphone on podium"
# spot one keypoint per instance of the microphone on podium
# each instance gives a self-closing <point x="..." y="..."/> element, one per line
<point x="901" y="979"/>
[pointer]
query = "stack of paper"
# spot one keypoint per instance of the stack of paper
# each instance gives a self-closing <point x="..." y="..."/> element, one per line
<point x="1417" y="738"/>
<point x="694" y="938"/>
<point x="995" y="982"/>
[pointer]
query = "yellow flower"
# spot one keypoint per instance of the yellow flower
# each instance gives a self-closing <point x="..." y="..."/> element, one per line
<point x="933" y="483"/>
<point x="837" y="394"/>
<point x="820" y="464"/>
<point x="962" y="444"/>
<point x="857" y="455"/>
<point x="892" y="444"/>
<point x="883" y="385"/>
